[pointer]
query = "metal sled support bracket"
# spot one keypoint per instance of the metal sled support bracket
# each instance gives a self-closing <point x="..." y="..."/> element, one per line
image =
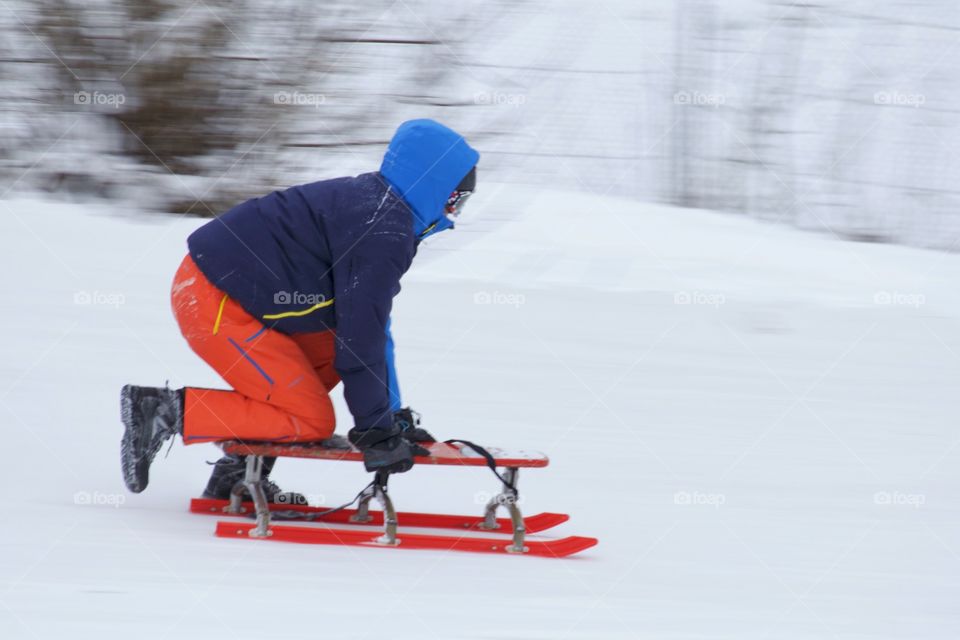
<point x="379" y="491"/>
<point x="252" y="482"/>
<point x="507" y="498"/>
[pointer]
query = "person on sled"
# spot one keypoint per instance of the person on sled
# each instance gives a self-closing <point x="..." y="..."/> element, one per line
<point x="288" y="294"/>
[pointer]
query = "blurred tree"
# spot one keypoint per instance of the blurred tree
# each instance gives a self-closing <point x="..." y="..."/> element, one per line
<point x="221" y="99"/>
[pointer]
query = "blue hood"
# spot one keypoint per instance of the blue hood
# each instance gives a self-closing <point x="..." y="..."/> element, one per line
<point x="425" y="162"/>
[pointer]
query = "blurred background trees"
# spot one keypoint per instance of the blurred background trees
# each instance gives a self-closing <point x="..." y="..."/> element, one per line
<point x="834" y="116"/>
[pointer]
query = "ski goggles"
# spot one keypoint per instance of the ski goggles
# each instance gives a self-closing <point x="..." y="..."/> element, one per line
<point x="456" y="201"/>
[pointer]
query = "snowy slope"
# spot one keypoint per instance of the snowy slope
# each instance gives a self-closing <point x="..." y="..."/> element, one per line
<point x="759" y="424"/>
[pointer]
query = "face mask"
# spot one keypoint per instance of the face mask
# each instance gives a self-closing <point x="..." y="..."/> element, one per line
<point x="455" y="203"/>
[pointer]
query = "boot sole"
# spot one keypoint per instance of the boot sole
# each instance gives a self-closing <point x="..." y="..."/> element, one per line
<point x="128" y="464"/>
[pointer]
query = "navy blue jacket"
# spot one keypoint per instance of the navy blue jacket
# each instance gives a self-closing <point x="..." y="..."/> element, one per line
<point x="330" y="255"/>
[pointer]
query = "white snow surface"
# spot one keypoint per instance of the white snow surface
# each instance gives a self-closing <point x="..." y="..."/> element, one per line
<point x="778" y="458"/>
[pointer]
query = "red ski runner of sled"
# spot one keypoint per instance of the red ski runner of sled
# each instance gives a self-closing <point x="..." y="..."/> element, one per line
<point x="280" y="511"/>
<point x="445" y="454"/>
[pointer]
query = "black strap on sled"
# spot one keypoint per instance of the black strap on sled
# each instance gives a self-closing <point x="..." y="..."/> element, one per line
<point x="491" y="462"/>
<point x="292" y="514"/>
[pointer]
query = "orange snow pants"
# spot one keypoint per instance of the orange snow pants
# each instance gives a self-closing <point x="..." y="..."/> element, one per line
<point x="281" y="383"/>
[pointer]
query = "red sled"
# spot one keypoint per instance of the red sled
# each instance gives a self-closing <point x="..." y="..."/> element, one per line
<point x="454" y="453"/>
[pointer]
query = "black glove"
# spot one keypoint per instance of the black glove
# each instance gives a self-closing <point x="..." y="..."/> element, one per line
<point x="385" y="450"/>
<point x="408" y="421"/>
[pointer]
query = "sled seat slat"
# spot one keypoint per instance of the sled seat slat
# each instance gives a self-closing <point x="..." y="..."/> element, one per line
<point x="441" y="453"/>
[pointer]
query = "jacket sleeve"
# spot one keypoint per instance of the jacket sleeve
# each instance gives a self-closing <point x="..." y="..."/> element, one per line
<point x="363" y="304"/>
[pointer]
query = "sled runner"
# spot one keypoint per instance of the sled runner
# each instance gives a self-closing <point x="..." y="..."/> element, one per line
<point x="452" y="453"/>
<point x="532" y="524"/>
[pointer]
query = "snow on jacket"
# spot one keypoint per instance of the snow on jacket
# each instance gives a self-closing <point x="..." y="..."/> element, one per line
<point x="330" y="255"/>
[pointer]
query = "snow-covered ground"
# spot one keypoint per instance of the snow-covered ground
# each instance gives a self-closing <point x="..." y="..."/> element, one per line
<point x="759" y="424"/>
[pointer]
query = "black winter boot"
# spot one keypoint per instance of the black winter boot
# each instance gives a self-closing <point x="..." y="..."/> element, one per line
<point x="151" y="416"/>
<point x="230" y="469"/>
<point x="385" y="450"/>
<point x="409" y="422"/>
